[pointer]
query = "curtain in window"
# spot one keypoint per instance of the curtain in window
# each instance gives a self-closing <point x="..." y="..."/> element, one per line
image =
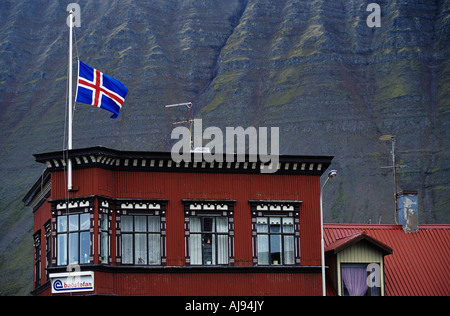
<point x="73" y="248"/>
<point x="127" y="223"/>
<point x="62" y="249"/>
<point x="262" y="240"/>
<point x="140" y="250"/>
<point x="355" y="280"/>
<point x="154" y="240"/>
<point x="127" y="239"/>
<point x="289" y="256"/>
<point x="196" y="240"/>
<point x="127" y="248"/>
<point x="154" y="249"/>
<point x="85" y="251"/>
<point x="104" y="239"/>
<point x="222" y="240"/>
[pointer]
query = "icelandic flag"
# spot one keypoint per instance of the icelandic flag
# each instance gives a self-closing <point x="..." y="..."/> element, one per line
<point x="100" y="90"/>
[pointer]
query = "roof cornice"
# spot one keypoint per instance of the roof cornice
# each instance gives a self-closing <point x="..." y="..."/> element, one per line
<point x="107" y="158"/>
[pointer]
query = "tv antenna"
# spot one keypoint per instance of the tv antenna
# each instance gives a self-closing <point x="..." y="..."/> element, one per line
<point x="394" y="167"/>
<point x="190" y="120"/>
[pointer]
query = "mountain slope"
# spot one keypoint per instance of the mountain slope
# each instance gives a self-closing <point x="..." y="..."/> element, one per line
<point x="311" y="67"/>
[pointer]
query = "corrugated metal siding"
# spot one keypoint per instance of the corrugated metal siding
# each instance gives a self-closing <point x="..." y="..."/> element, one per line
<point x="208" y="284"/>
<point x="178" y="186"/>
<point x="40" y="217"/>
<point x="239" y="187"/>
<point x="419" y="264"/>
<point x="360" y="253"/>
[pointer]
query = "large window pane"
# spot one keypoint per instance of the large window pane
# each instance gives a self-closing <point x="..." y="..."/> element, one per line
<point x="208" y="247"/>
<point x="288" y="225"/>
<point x="73" y="248"/>
<point x="62" y="224"/>
<point x="127" y="223"/>
<point x="104" y="222"/>
<point x="85" y="221"/>
<point x="275" y="249"/>
<point x="154" y="224"/>
<point x="263" y="249"/>
<point x="73" y="222"/>
<point x="222" y="249"/>
<point x="154" y="249"/>
<point x="222" y="224"/>
<point x="127" y="248"/>
<point x="289" y="256"/>
<point x="261" y="225"/>
<point x="208" y="224"/>
<point x="196" y="248"/>
<point x="140" y="250"/>
<point x="84" y="247"/>
<point x="275" y="224"/>
<point x="140" y="223"/>
<point x="104" y="247"/>
<point x="196" y="226"/>
<point x="62" y="249"/>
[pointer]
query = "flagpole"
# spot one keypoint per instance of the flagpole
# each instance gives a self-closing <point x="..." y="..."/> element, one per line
<point x="69" y="138"/>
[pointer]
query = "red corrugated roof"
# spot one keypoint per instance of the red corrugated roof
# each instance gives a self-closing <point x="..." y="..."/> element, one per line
<point x="420" y="262"/>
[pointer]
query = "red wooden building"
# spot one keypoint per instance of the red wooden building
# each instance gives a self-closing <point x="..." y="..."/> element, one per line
<point x="139" y="223"/>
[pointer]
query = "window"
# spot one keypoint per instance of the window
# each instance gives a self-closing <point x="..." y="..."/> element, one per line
<point x="48" y="248"/>
<point x="73" y="238"/>
<point x="356" y="279"/>
<point x="209" y="231"/>
<point x="37" y="258"/>
<point x="209" y="240"/>
<point x="275" y="240"/>
<point x="141" y="236"/>
<point x="72" y="231"/>
<point x="275" y="232"/>
<point x="104" y="238"/>
<point x="141" y="239"/>
<point x="104" y="230"/>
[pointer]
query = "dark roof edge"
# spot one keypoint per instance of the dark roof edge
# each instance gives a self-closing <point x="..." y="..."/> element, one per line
<point x="139" y="161"/>
<point x="100" y="150"/>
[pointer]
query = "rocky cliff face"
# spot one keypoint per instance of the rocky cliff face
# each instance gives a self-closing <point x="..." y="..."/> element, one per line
<point x="313" y="68"/>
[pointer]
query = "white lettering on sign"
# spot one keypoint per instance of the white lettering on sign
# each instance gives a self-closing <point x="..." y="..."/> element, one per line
<point x="72" y="282"/>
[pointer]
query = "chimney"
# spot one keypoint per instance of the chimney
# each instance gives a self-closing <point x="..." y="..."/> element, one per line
<point x="408" y="211"/>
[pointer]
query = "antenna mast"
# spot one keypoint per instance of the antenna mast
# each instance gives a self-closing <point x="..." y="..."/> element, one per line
<point x="190" y="120"/>
<point x="394" y="166"/>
